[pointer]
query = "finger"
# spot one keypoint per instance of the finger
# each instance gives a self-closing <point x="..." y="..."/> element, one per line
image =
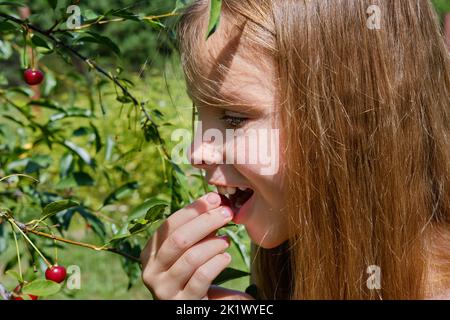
<point x="182" y="270"/>
<point x="204" y="204"/>
<point x="189" y="234"/>
<point x="207" y="202"/>
<point x="201" y="280"/>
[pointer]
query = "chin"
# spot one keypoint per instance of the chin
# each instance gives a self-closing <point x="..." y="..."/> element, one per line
<point x="265" y="240"/>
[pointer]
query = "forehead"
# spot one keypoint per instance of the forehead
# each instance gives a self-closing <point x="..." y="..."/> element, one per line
<point x="226" y="69"/>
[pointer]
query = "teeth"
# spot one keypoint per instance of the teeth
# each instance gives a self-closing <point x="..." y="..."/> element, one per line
<point x="222" y="190"/>
<point x="231" y="190"/>
<point x="242" y="188"/>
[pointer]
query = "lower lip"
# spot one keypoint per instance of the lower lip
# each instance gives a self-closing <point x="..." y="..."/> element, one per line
<point x="244" y="210"/>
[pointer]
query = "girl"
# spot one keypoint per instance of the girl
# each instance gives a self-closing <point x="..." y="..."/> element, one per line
<point x="360" y="205"/>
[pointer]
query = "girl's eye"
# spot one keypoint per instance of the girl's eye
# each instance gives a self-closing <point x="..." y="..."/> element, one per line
<point x="234" y="121"/>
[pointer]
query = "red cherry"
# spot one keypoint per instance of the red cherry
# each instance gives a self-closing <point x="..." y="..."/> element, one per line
<point x="33" y="76"/>
<point x="56" y="273"/>
<point x="224" y="201"/>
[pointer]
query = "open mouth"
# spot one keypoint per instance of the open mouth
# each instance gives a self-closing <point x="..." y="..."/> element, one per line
<point x="235" y="197"/>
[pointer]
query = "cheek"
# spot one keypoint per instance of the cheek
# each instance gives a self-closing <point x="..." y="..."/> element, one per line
<point x="256" y="150"/>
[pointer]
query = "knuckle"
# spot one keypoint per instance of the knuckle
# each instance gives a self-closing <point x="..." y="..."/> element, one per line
<point x="147" y="277"/>
<point x="202" y="275"/>
<point x="191" y="258"/>
<point x="178" y="241"/>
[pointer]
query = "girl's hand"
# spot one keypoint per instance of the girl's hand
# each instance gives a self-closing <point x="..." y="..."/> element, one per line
<point x="219" y="293"/>
<point x="184" y="256"/>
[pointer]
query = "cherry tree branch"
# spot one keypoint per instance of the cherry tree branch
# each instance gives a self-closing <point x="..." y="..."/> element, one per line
<point x="95" y="66"/>
<point x="25" y="229"/>
<point x="100" y="22"/>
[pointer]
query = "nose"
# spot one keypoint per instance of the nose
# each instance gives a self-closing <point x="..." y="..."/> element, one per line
<point x="204" y="155"/>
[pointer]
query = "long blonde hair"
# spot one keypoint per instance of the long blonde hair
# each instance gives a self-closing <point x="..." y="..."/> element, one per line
<point x="365" y="112"/>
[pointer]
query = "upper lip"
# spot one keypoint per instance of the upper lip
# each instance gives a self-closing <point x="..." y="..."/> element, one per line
<point x="217" y="184"/>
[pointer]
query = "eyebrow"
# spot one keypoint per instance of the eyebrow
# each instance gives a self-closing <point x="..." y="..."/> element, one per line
<point x="231" y="101"/>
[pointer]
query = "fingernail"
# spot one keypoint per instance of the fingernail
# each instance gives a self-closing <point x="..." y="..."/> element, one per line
<point x="227" y="255"/>
<point x="213" y="198"/>
<point x="225" y="238"/>
<point x="226" y="212"/>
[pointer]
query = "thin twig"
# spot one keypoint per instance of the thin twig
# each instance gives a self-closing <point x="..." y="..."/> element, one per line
<point x="100" y="22"/>
<point x="80" y="244"/>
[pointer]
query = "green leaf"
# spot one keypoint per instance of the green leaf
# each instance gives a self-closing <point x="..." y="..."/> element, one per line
<point x="151" y="133"/>
<point x="156" y="25"/>
<point x="83" y="179"/>
<point x="82" y="153"/>
<point x="98" y="139"/>
<point x="121" y="192"/>
<point x="156" y="212"/>
<point x="14" y="4"/>
<point x="46" y="104"/>
<point x="124" y="13"/>
<point x="39" y="42"/>
<point x="214" y="17"/>
<point x="52" y="3"/>
<point x="182" y="4"/>
<point x="124" y="99"/>
<point x="14" y="274"/>
<point x="72" y="112"/>
<point x="130" y="267"/>
<point x="41" y="288"/>
<point x="229" y="274"/>
<point x="57" y="206"/>
<point x="110" y="142"/>
<point x="96" y="223"/>
<point x="102" y="40"/>
<point x="6" y="50"/>
<point x="6" y="26"/>
<point x="66" y="164"/>
<point x="242" y="248"/>
<point x="149" y="207"/>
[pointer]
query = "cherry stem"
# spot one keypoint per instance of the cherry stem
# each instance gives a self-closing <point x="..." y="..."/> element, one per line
<point x="15" y="223"/>
<point x="54" y="241"/>
<point x="18" y="254"/>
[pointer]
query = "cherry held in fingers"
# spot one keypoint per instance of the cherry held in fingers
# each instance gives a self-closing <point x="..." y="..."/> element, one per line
<point x="56" y="273"/>
<point x="33" y="76"/>
<point x="224" y="201"/>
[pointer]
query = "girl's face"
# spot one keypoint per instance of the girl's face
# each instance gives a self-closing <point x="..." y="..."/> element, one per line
<point x="250" y="114"/>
